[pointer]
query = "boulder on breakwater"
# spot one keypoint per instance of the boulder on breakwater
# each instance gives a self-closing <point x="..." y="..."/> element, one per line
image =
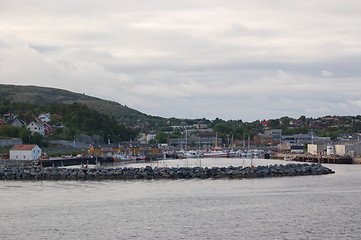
<point x="128" y="173"/>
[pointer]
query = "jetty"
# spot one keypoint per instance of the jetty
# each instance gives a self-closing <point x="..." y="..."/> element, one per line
<point x="149" y="173"/>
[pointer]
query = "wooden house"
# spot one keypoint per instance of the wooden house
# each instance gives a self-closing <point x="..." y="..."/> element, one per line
<point x="25" y="152"/>
<point x="102" y="150"/>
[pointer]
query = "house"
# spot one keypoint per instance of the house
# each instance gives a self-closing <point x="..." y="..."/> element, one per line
<point x="9" y="115"/>
<point x="102" y="150"/>
<point x="200" y="126"/>
<point x="129" y="147"/>
<point x="25" y="152"/>
<point x="45" y="117"/>
<point x="45" y="122"/>
<point x="47" y="128"/>
<point x="16" y="122"/>
<point x="265" y="139"/>
<point x="57" y="116"/>
<point x="151" y="136"/>
<point x="36" y="127"/>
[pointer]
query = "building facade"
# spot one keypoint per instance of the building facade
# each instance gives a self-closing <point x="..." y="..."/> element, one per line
<point x="25" y="152"/>
<point x="36" y="127"/>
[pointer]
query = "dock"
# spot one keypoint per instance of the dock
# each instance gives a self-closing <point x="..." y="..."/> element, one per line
<point x="316" y="159"/>
<point x="62" y="162"/>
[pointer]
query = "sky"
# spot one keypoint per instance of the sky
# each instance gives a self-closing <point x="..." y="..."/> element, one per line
<point x="231" y="59"/>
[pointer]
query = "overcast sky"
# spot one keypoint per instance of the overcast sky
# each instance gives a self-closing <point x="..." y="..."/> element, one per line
<point x="232" y="59"/>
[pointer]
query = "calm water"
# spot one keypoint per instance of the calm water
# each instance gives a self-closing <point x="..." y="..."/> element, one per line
<point x="308" y="207"/>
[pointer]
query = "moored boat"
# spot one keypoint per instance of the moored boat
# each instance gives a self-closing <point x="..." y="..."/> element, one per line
<point x="216" y="152"/>
<point x="120" y="157"/>
<point x="194" y="154"/>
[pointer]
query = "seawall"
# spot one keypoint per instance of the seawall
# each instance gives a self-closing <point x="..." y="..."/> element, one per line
<point x="149" y="173"/>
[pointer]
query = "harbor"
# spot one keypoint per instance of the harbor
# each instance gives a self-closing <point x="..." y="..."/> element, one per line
<point x="246" y="208"/>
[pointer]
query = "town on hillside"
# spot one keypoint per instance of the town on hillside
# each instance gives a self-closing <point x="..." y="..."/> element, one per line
<point x="281" y="138"/>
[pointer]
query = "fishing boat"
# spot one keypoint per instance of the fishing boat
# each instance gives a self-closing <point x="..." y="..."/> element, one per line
<point x="120" y="157"/>
<point x="216" y="152"/>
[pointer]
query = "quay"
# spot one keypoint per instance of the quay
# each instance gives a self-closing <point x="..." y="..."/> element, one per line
<point x="149" y="173"/>
<point x="316" y="159"/>
<point x="63" y="162"/>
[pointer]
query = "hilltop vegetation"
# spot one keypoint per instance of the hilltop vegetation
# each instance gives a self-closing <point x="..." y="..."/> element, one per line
<point x="74" y="119"/>
<point x="42" y="96"/>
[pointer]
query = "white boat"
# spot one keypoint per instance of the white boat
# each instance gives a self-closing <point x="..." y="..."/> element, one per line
<point x="216" y="152"/>
<point x="194" y="154"/>
<point x="254" y="153"/>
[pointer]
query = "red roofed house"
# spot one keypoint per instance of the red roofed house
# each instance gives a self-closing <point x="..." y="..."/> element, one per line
<point x="265" y="123"/>
<point x="46" y="126"/>
<point x="25" y="152"/>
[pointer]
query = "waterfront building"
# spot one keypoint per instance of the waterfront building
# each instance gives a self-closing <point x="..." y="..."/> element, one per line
<point x="350" y="146"/>
<point x="25" y="152"/>
<point x="102" y="150"/>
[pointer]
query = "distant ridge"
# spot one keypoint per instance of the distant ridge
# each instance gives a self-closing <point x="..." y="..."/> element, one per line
<point x="44" y="95"/>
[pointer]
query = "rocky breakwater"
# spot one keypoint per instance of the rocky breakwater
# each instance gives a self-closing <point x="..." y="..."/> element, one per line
<point x="129" y="173"/>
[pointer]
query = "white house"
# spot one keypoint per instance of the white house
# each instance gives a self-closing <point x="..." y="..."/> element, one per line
<point x="25" y="152"/>
<point x="151" y="136"/>
<point x="36" y="127"/>
<point x="45" y="117"/>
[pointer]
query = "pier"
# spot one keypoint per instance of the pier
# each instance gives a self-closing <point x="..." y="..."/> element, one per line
<point x="316" y="159"/>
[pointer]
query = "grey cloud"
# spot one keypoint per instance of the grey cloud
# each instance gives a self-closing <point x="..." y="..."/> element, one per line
<point x="230" y="59"/>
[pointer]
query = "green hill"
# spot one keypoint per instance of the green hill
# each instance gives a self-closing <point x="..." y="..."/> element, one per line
<point x="44" y="95"/>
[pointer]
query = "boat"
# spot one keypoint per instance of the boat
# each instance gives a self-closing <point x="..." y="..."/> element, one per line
<point x="181" y="155"/>
<point x="254" y="153"/>
<point x="140" y="158"/>
<point x="193" y="154"/>
<point x="120" y="157"/>
<point x="216" y="152"/>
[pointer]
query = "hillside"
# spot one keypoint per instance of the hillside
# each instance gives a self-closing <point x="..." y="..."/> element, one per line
<point x="44" y="95"/>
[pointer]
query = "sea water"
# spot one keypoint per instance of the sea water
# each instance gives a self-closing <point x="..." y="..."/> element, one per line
<point x="302" y="207"/>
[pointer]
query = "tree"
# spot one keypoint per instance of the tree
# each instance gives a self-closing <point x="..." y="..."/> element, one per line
<point x="274" y="123"/>
<point x="25" y="135"/>
<point x="222" y="128"/>
<point x="37" y="138"/>
<point x="302" y="118"/>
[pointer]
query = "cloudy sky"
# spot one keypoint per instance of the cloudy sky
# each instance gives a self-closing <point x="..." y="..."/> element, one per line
<point x="232" y="59"/>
